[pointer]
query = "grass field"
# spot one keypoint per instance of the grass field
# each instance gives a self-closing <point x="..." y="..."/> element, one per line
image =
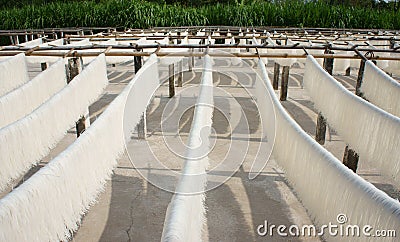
<point x="143" y="14"/>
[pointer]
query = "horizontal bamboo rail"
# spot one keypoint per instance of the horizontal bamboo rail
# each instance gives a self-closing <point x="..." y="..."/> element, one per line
<point x="124" y="36"/>
<point x="189" y="54"/>
<point x="118" y="50"/>
<point x="7" y="50"/>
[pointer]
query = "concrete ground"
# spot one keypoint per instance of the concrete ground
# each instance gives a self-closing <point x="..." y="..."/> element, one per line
<point x="132" y="209"/>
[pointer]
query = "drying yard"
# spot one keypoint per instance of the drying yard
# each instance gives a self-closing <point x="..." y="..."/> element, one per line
<point x="200" y="133"/>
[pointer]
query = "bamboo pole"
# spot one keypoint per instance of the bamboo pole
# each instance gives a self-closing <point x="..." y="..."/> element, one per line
<point x="171" y="80"/>
<point x="195" y="54"/>
<point x="190" y="60"/>
<point x="348" y="71"/>
<point x="74" y="68"/>
<point x="180" y="73"/>
<point x="284" y="83"/>
<point x="275" y="81"/>
<point x="365" y="48"/>
<point x="30" y="51"/>
<point x="350" y="157"/>
<point x="320" y="131"/>
<point x="141" y="127"/>
<point x="259" y="35"/>
<point x="43" y="66"/>
<point x="138" y="63"/>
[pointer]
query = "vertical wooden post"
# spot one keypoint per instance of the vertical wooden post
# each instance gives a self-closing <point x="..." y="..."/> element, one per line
<point x="12" y="40"/>
<point x="26" y="38"/>
<point x="202" y="42"/>
<point x="191" y="60"/>
<point x="43" y="66"/>
<point x="141" y="126"/>
<point x="138" y="63"/>
<point x="284" y="83"/>
<point x="276" y="76"/>
<point x="178" y="39"/>
<point x="74" y="68"/>
<point x="328" y="62"/>
<point x="320" y="131"/>
<point x="180" y="74"/>
<point x="360" y="77"/>
<point x="171" y="80"/>
<point x="392" y="43"/>
<point x="350" y="158"/>
<point x="80" y="126"/>
<point x="348" y="72"/>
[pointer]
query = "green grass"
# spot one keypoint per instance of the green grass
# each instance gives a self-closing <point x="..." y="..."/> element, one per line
<point x="142" y="14"/>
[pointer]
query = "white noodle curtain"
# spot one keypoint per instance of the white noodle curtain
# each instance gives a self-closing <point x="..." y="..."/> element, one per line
<point x="29" y="139"/>
<point x="22" y="101"/>
<point x="380" y="89"/>
<point x="80" y="43"/>
<point x="13" y="73"/>
<point x="56" y="42"/>
<point x="32" y="43"/>
<point x="371" y="131"/>
<point x="325" y="186"/>
<point x="381" y="44"/>
<point x="394" y="66"/>
<point x="340" y="65"/>
<point x="50" y="204"/>
<point x="186" y="212"/>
